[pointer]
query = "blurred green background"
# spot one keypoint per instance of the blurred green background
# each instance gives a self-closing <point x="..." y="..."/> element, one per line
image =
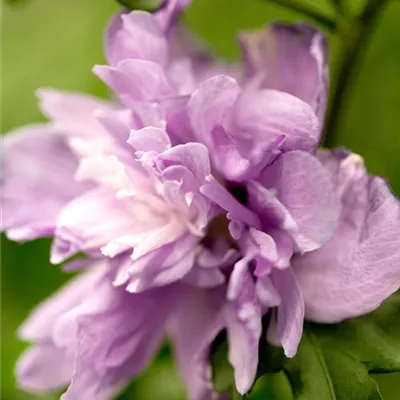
<point x="56" y="42"/>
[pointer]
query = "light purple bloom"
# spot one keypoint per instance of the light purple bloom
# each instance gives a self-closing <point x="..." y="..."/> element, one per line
<point x="267" y="51"/>
<point x="202" y="204"/>
<point x="72" y="335"/>
<point x="33" y="196"/>
<point x="358" y="268"/>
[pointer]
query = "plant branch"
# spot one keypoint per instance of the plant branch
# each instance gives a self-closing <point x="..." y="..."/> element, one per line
<point x="354" y="37"/>
<point x="339" y="6"/>
<point x="310" y="12"/>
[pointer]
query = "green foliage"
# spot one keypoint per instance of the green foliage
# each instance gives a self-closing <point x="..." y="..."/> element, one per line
<point x="16" y="2"/>
<point x="55" y="44"/>
<point x="222" y="371"/>
<point x="333" y="362"/>
<point x="147" y="5"/>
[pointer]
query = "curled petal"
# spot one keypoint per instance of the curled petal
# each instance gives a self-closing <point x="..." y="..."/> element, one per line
<point x="291" y="58"/>
<point x="193" y="156"/>
<point x="214" y="191"/>
<point x="305" y="188"/>
<point x="261" y="125"/>
<point x="209" y="105"/>
<point x="149" y="139"/>
<point x="136" y="79"/>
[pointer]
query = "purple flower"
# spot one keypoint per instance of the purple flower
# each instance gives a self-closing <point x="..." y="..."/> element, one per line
<point x="202" y="204"/>
<point x="267" y="51"/>
<point x="358" y="268"/>
<point x="86" y="335"/>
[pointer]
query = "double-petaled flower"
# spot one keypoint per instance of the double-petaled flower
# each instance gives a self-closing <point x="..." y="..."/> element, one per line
<point x="201" y="202"/>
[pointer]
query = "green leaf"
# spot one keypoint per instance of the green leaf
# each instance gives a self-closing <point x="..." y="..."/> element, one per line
<point x="334" y="362"/>
<point x="324" y="373"/>
<point x="146" y="5"/>
<point x="16" y="2"/>
<point x="222" y="371"/>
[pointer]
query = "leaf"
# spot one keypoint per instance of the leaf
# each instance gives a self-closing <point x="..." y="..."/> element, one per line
<point x="222" y="371"/>
<point x="318" y="373"/>
<point x="334" y="362"/>
<point x="146" y="5"/>
<point x="16" y="2"/>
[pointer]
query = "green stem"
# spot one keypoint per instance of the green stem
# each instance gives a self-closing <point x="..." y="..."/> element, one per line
<point x="339" y="7"/>
<point x="354" y="38"/>
<point x="310" y="12"/>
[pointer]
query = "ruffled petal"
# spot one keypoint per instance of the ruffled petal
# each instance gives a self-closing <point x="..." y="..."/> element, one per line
<point x="104" y="362"/>
<point x="150" y="268"/>
<point x="149" y="139"/>
<point x="89" y="333"/>
<point x="38" y="180"/>
<point x="136" y="79"/>
<point x="89" y="222"/>
<point x="265" y="115"/>
<point x="209" y="105"/>
<point x="292" y="59"/>
<point x="193" y="156"/>
<point x="193" y="327"/>
<point x="246" y="130"/>
<point x="136" y="35"/>
<point x="358" y="268"/>
<point x="76" y="115"/>
<point x="306" y="190"/>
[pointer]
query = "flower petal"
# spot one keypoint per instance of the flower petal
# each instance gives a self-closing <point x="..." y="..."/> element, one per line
<point x="136" y="35"/>
<point x="292" y="58"/>
<point x="85" y="224"/>
<point x="209" y="105"/>
<point x="305" y="188"/>
<point x="359" y="267"/>
<point x="104" y="362"/>
<point x="136" y="79"/>
<point x="168" y="15"/>
<point x="40" y="323"/>
<point x="76" y="116"/>
<point x="243" y="324"/>
<point x="193" y="327"/>
<point x="38" y="180"/>
<point x="44" y="368"/>
<point x="264" y="115"/>
<point x="290" y="313"/>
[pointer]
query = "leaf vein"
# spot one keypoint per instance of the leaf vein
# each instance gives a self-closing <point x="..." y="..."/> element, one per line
<point x="320" y="355"/>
